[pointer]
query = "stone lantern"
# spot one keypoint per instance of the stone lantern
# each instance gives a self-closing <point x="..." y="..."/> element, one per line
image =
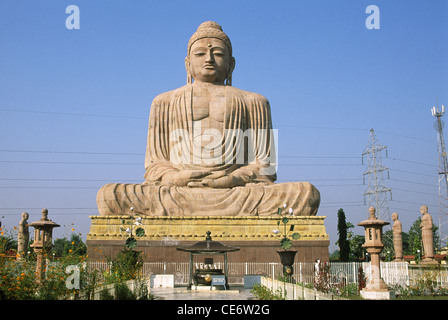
<point x="375" y="288"/>
<point x="43" y="233"/>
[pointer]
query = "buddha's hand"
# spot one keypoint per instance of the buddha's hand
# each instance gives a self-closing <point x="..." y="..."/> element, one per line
<point x="184" y="177"/>
<point x="222" y="180"/>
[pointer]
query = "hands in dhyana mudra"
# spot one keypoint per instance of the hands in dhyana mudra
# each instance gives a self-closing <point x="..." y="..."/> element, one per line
<point x="203" y="178"/>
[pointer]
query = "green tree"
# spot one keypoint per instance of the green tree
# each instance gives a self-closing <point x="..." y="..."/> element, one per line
<point x="334" y="256"/>
<point x="343" y="243"/>
<point x="356" y="248"/>
<point x="64" y="246"/>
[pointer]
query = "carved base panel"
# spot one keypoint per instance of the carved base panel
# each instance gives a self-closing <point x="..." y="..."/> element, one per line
<point x="253" y="235"/>
<point x="377" y="294"/>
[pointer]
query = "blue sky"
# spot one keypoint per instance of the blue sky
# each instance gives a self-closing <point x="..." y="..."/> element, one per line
<point x="74" y="104"/>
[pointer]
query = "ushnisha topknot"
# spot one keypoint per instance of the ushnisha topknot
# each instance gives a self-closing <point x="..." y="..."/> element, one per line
<point x="210" y="29"/>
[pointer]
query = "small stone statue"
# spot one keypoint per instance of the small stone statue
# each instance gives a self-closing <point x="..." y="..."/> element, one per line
<point x="397" y="237"/>
<point x="427" y="234"/>
<point x="23" y="236"/>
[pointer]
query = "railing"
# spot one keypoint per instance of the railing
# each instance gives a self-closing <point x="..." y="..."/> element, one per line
<point x="340" y="273"/>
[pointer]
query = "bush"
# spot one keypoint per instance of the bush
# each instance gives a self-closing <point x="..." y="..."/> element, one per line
<point x="127" y="265"/>
<point x="105" y="295"/>
<point x="264" y="293"/>
<point x="122" y="292"/>
<point x="17" y="280"/>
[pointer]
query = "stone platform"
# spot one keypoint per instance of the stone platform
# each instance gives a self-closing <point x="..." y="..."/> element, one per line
<point x="253" y="235"/>
<point x="377" y="294"/>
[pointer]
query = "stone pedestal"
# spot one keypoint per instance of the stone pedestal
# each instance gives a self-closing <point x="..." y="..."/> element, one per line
<point x="377" y="294"/>
<point x="253" y="235"/>
<point x="429" y="261"/>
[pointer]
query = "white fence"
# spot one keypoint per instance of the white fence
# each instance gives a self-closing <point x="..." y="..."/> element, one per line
<point x="340" y="273"/>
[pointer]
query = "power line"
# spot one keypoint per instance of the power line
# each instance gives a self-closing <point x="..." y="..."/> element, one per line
<point x="143" y="154"/>
<point x="146" y="118"/>
<point x="41" y="187"/>
<point x="30" y="208"/>
<point x="133" y="163"/>
<point x="64" y="180"/>
<point x="56" y="213"/>
<point x="74" y="114"/>
<point x="412" y="182"/>
<point x="414" y="162"/>
<point x="75" y="152"/>
<point x="419" y="192"/>
<point x="70" y="162"/>
<point x="413" y="172"/>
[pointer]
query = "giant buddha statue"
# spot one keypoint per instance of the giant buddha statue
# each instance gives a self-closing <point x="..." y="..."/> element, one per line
<point x="210" y="148"/>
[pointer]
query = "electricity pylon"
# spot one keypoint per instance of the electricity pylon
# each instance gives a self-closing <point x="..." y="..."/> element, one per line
<point x="442" y="175"/>
<point x="377" y="193"/>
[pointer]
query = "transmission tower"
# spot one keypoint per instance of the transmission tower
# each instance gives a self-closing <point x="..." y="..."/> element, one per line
<point x="443" y="175"/>
<point x="377" y="194"/>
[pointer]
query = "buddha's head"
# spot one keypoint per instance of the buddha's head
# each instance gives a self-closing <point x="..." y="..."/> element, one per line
<point x="424" y="209"/>
<point x="25" y="215"/>
<point x="394" y="216"/>
<point x="209" y="57"/>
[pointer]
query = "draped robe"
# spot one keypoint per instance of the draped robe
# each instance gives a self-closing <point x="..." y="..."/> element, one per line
<point x="244" y="147"/>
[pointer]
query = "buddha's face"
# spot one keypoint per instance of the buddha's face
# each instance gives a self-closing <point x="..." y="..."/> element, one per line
<point x="209" y="61"/>
<point x="423" y="209"/>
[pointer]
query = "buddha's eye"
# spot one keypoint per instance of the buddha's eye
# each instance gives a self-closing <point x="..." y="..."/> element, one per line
<point x="218" y="52"/>
<point x="199" y="53"/>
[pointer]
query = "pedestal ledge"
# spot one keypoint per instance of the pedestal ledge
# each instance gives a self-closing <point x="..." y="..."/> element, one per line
<point x="377" y="294"/>
<point x="254" y="235"/>
<point x="191" y="228"/>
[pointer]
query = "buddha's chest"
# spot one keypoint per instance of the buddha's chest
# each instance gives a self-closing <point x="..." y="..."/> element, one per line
<point x="209" y="106"/>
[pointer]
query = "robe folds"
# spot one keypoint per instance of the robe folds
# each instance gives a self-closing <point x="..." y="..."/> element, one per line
<point x="243" y="145"/>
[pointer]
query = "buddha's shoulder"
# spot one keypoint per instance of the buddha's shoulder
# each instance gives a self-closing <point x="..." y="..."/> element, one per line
<point x="247" y="95"/>
<point x="169" y="95"/>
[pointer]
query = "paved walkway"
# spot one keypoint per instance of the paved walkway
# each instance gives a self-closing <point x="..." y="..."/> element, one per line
<point x="181" y="293"/>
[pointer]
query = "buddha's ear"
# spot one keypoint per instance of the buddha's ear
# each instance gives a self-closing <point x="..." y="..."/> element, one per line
<point x="231" y="68"/>
<point x="232" y="64"/>
<point x="187" y="67"/>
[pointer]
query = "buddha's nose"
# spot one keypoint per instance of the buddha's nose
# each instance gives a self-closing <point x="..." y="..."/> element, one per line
<point x="209" y="57"/>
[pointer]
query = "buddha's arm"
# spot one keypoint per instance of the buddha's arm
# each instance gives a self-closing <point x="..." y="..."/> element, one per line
<point x="157" y="161"/>
<point x="159" y="167"/>
<point x="261" y="166"/>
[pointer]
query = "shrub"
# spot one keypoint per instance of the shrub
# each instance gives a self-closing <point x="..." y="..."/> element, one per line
<point x="264" y="293"/>
<point x="127" y="265"/>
